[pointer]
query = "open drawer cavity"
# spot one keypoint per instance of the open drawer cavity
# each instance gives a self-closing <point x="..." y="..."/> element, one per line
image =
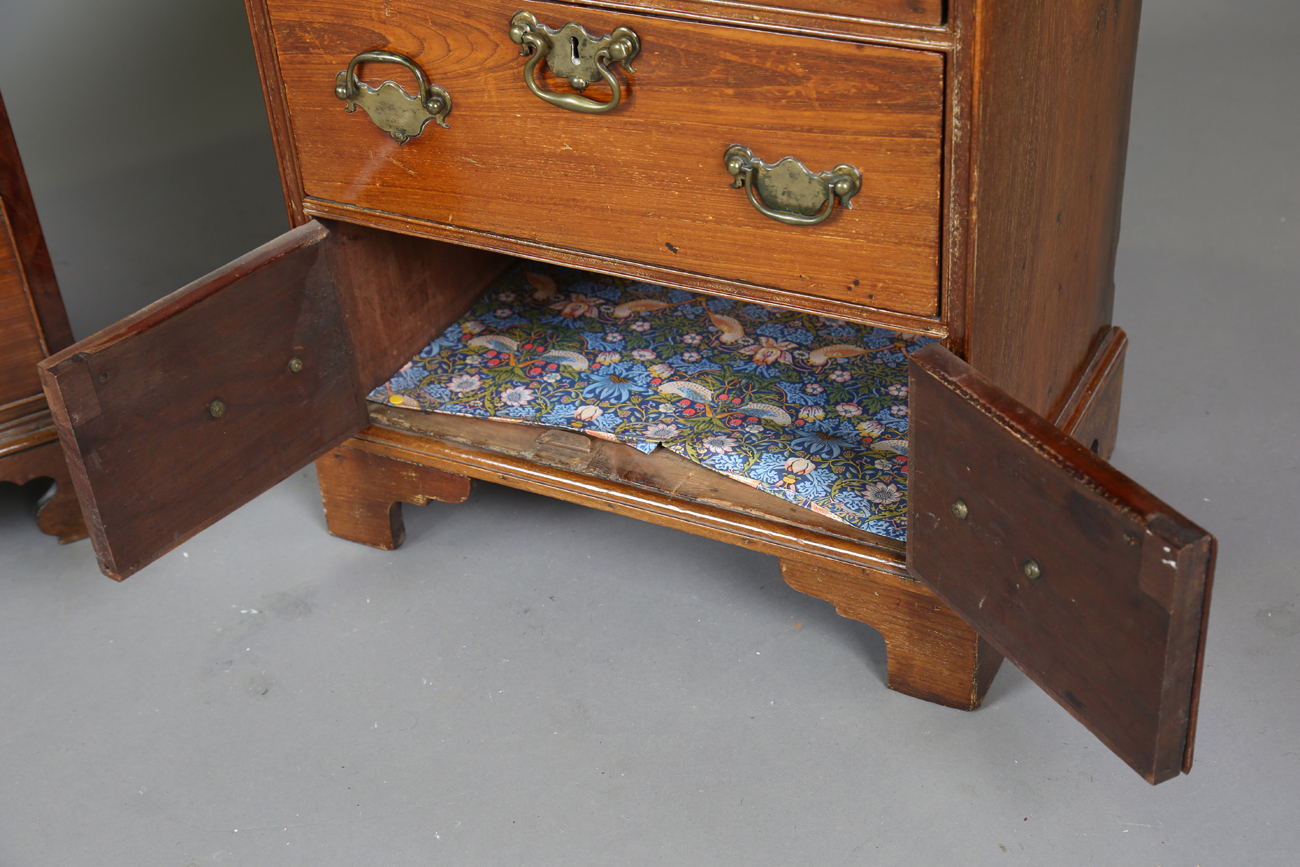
<point x="810" y="409"/>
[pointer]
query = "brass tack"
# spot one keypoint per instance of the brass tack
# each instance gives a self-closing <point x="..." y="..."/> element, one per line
<point x="1032" y="570"/>
<point x="959" y="509"/>
<point x="296" y="365"/>
<point x="217" y="409"/>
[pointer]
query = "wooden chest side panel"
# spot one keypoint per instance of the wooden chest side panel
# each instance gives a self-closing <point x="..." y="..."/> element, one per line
<point x="20" y="338"/>
<point x="646" y="182"/>
<point x="181" y="413"/>
<point x="33" y="322"/>
<point x="1053" y="88"/>
<point x="1095" y="588"/>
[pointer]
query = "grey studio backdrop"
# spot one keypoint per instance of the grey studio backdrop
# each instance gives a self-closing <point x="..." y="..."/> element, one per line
<point x="529" y="682"/>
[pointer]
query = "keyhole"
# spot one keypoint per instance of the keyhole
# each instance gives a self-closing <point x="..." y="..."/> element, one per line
<point x="573" y="48"/>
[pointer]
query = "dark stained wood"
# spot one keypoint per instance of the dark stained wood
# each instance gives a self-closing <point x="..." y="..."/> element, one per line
<point x="658" y="275"/>
<point x="363" y="494"/>
<point x="29" y="250"/>
<point x="1091" y="413"/>
<point x="33" y="323"/>
<point x="408" y="457"/>
<point x="645" y="183"/>
<point x="21" y="408"/>
<point x="1113" y="628"/>
<point x="931" y="653"/>
<point x="1052" y="92"/>
<point x="153" y="466"/>
<point x="57" y="511"/>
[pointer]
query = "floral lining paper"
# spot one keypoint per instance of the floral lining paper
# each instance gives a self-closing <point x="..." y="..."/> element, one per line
<point x="813" y="410"/>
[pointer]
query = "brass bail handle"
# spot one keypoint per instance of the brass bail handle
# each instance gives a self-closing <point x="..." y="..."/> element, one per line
<point x="390" y="107"/>
<point x="573" y="53"/>
<point x="787" y="191"/>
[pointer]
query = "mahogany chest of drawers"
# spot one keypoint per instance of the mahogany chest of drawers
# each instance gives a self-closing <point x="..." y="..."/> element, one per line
<point x="946" y="169"/>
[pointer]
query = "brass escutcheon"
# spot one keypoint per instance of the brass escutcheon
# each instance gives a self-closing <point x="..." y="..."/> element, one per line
<point x="573" y="53"/>
<point x="787" y="191"/>
<point x="391" y="108"/>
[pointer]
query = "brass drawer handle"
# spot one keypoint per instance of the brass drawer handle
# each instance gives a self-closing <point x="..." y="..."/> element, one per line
<point x="573" y="53"/>
<point x="392" y="109"/>
<point x="789" y="193"/>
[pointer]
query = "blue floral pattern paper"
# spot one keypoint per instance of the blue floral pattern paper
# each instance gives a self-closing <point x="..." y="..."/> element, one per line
<point x="810" y="409"/>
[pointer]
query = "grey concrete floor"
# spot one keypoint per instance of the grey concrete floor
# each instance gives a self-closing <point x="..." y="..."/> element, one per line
<point x="528" y="682"/>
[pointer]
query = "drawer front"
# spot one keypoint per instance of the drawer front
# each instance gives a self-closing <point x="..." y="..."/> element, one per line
<point x="646" y="182"/>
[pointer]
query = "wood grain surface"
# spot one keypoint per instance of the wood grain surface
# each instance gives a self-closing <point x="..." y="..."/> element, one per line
<point x="33" y="322"/>
<point x="153" y="463"/>
<point x="57" y="511"/>
<point x="152" y="466"/>
<point x="1091" y="410"/>
<point x="24" y="229"/>
<point x="398" y="292"/>
<point x="931" y="653"/>
<point x="1110" y="620"/>
<point x="1052" y="93"/>
<point x="646" y="182"/>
